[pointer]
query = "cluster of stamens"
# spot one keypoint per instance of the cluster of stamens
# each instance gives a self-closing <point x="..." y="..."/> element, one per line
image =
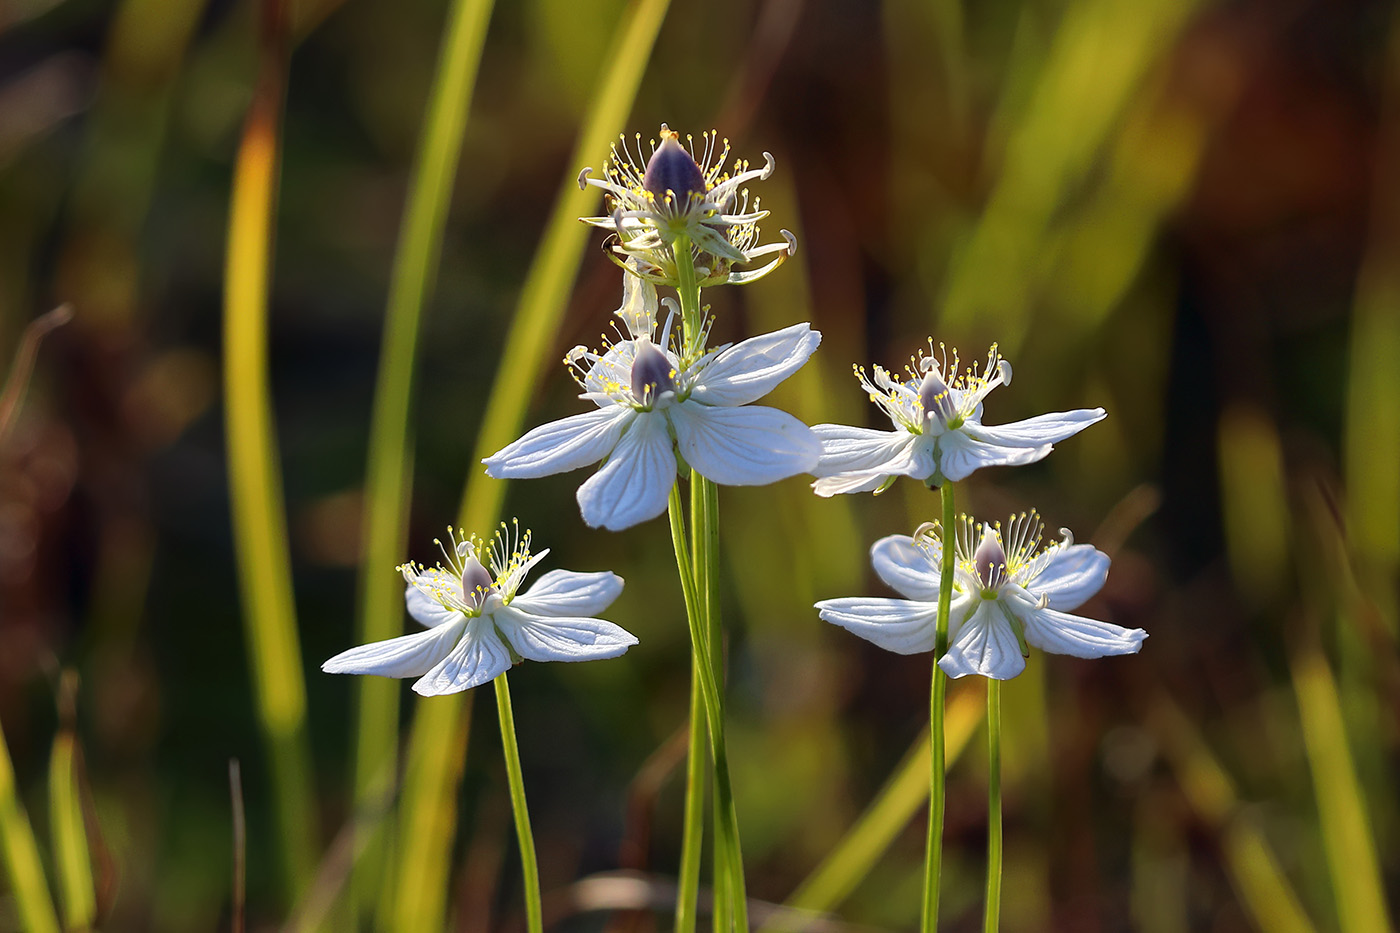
<point x="462" y="581"/>
<point x="936" y="391"/>
<point x="989" y="556"/>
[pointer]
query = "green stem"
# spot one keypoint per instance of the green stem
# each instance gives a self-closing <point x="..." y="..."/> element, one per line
<point x="938" y="767"/>
<point x="726" y="826"/>
<point x="693" y="830"/>
<point x="19" y="855"/>
<point x="992" y="918"/>
<point x="534" y="916"/>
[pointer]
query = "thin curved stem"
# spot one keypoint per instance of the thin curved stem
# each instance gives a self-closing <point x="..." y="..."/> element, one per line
<point x="992" y="919"/>
<point x="693" y="828"/>
<point x="534" y="914"/>
<point x="933" y="845"/>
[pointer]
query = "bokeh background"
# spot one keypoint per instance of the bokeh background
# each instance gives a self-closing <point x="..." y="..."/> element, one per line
<point x="1187" y="212"/>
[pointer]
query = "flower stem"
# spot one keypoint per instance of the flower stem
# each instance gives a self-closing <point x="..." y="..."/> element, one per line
<point x="933" y="846"/>
<point x="693" y="829"/>
<point x="992" y="918"/>
<point x="534" y="916"/>
<point x="726" y="826"/>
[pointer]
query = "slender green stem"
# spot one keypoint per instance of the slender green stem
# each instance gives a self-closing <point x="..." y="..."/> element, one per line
<point x="23" y="868"/>
<point x="992" y="919"/>
<point x="693" y="830"/>
<point x="938" y="766"/>
<point x="727" y="826"/>
<point x="534" y="915"/>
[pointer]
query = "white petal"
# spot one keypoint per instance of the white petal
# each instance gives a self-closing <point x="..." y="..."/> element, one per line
<point x="613" y="368"/>
<point x="635" y="482"/>
<point x="959" y="455"/>
<point x="426" y="610"/>
<point x="985" y="644"/>
<point x="900" y="625"/>
<point x="1037" y="431"/>
<point x="843" y="483"/>
<point x="1071" y="576"/>
<point x="749" y="446"/>
<point x="909" y="569"/>
<point x="751" y="368"/>
<point x="1062" y="633"/>
<point x="561" y="638"/>
<point x="847" y="449"/>
<point x="566" y="593"/>
<point x="479" y="657"/>
<point x="405" y="656"/>
<point x="560" y="446"/>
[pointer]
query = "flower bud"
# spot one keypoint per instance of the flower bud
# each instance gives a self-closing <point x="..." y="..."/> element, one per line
<point x="651" y="373"/>
<point x="990" y="561"/>
<point x="671" y="168"/>
<point x="935" y="396"/>
<point x="477" y="582"/>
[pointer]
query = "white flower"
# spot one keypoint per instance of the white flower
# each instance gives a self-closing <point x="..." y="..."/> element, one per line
<point x="674" y="193"/>
<point x="1007" y="595"/>
<point x="939" y="434"/>
<point x="649" y="404"/>
<point x="478" y="625"/>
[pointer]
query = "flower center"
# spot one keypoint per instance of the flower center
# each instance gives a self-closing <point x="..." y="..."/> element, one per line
<point x="477" y="582"/>
<point x="990" y="562"/>
<point x="671" y="169"/>
<point x="937" y="399"/>
<point x="652" y="373"/>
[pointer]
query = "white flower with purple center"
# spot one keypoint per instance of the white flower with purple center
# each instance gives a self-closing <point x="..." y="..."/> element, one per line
<point x="478" y="625"/>
<point x="939" y="435"/>
<point x="680" y="190"/>
<point x="1008" y="594"/>
<point x="650" y="405"/>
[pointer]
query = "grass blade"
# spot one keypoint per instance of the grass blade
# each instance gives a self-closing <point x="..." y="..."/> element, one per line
<point x="21" y="853"/>
<point x="71" y="857"/>
<point x="255" y="487"/>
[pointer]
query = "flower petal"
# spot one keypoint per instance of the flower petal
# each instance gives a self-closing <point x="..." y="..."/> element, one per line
<point x="405" y="656"/>
<point x="479" y="657"/>
<point x="903" y="626"/>
<point x="633" y="485"/>
<point x="843" y="483"/>
<point x="1072" y="575"/>
<point x="749" y="446"/>
<point x="424" y="609"/>
<point x="959" y="456"/>
<point x="562" y="445"/>
<point x="985" y="644"/>
<point x="908" y="568"/>
<point x="1077" y="636"/>
<point x="1037" y="431"/>
<point x="566" y="593"/>
<point x="561" y="638"/>
<point x="847" y="449"/>
<point x="751" y="368"/>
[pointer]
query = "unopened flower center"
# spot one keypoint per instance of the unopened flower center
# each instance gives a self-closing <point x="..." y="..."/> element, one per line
<point x="652" y="373"/>
<point x="477" y="582"/>
<point x="990" y="562"/>
<point x="672" y="169"/>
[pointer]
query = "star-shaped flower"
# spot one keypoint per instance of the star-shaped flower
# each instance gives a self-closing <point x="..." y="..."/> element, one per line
<point x="674" y="193"/>
<point x="1008" y="594"/>
<point x="649" y="404"/>
<point x="939" y="434"/>
<point x="477" y="624"/>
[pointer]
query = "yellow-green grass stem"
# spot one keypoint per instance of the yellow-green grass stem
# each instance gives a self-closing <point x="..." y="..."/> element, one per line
<point x="693" y="819"/>
<point x="72" y="860"/>
<point x="726" y="827"/>
<point x="255" y="486"/>
<point x="529" y="866"/>
<point x="437" y="742"/>
<point x="991" y="918"/>
<point x="389" y="467"/>
<point x="938" y="767"/>
<point x="25" y="871"/>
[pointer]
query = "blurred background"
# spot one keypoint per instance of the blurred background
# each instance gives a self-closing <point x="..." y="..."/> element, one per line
<point x="1187" y="212"/>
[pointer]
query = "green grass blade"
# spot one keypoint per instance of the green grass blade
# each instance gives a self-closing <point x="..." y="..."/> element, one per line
<point x="430" y="778"/>
<point x="66" y="824"/>
<point x="898" y="803"/>
<point x="22" y="866"/>
<point x="1350" y="848"/>
<point x="389" y="468"/>
<point x="255" y="487"/>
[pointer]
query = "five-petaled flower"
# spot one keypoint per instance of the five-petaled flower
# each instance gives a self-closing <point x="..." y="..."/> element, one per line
<point x="1008" y="594"/>
<point x="939" y="435"/>
<point x="477" y="624"/>
<point x="675" y="194"/>
<point x="649" y="404"/>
